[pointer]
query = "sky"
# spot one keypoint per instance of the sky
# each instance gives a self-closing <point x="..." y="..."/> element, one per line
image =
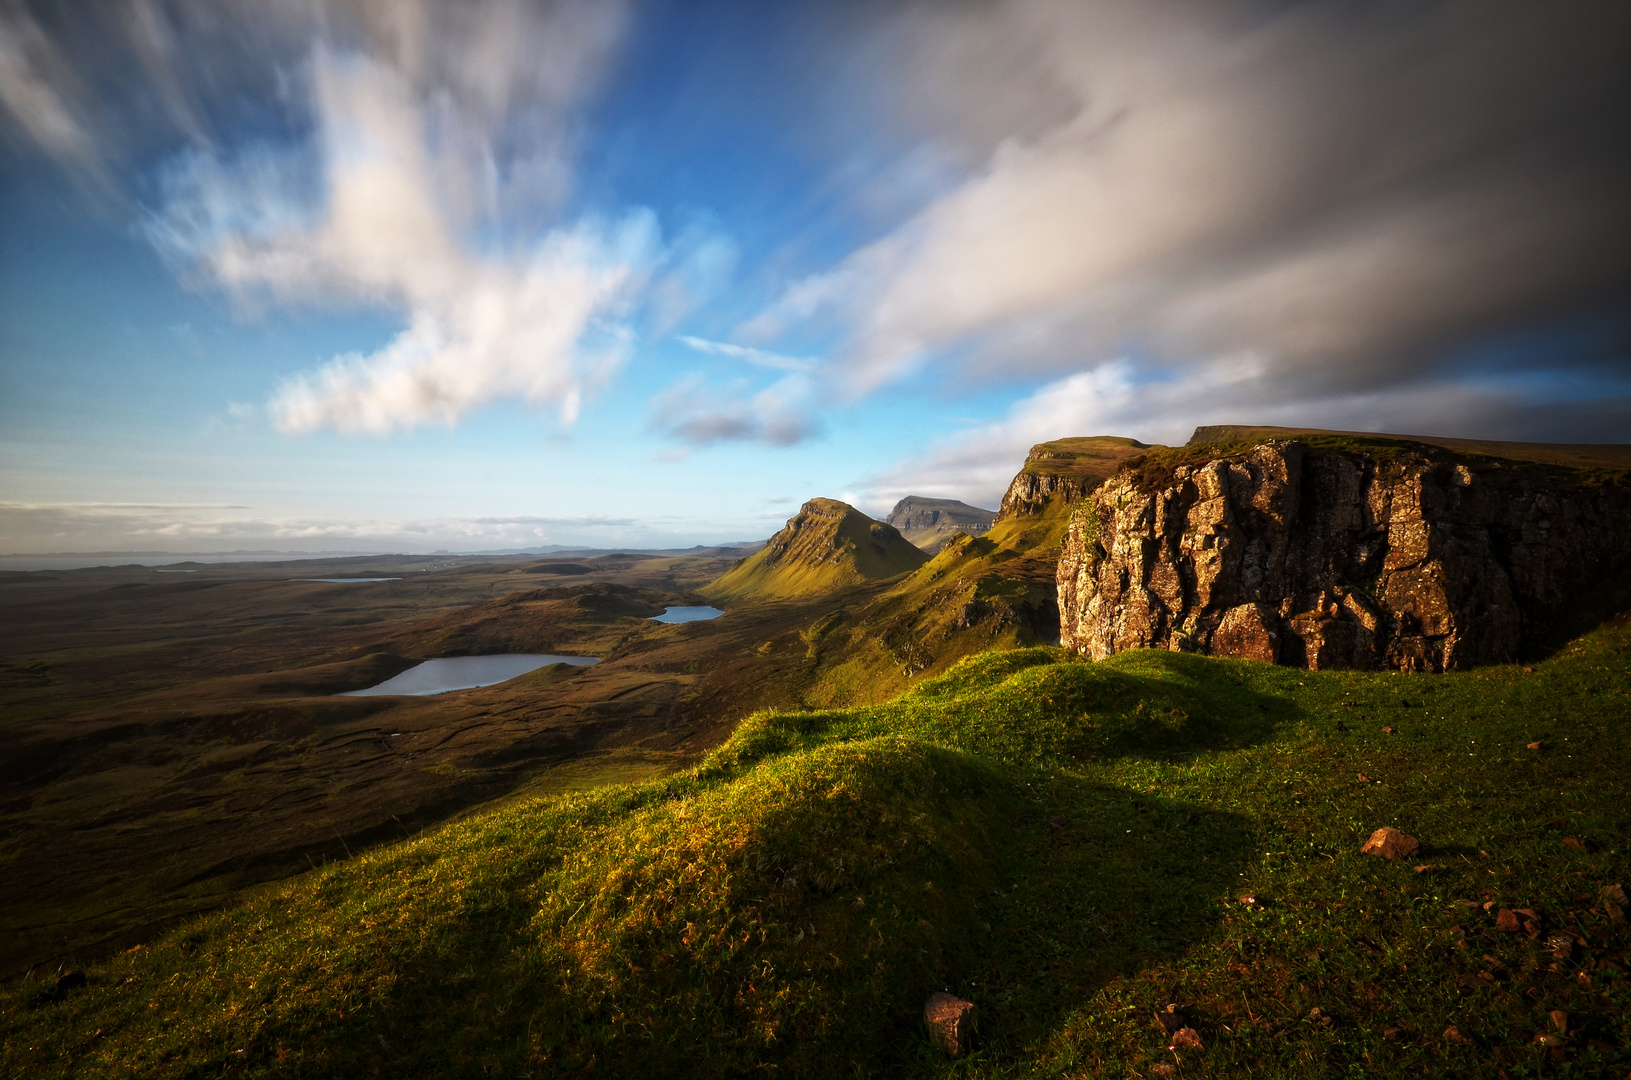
<point x="397" y="275"/>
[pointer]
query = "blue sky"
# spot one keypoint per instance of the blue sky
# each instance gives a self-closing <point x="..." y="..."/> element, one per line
<point x="409" y="275"/>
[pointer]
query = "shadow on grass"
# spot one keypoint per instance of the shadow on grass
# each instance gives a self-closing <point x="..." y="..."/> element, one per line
<point x="790" y="904"/>
<point x="796" y="917"/>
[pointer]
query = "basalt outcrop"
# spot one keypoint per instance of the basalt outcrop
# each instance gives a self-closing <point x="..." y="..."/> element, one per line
<point x="1381" y="557"/>
<point x="1063" y="471"/>
<point x="929" y="523"/>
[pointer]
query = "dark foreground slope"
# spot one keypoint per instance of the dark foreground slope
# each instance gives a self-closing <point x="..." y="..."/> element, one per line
<point x="1066" y="843"/>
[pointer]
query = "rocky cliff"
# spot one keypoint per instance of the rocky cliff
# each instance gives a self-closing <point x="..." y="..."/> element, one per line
<point x="1063" y="471"/>
<point x="1328" y="553"/>
<point x="929" y="523"/>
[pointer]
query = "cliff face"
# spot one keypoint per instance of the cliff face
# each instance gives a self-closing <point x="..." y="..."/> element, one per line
<point x="929" y="523"/>
<point x="1063" y="471"/>
<point x="1333" y="559"/>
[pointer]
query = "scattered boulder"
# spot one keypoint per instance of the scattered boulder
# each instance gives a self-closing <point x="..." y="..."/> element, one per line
<point x="1507" y="922"/>
<point x="1390" y="843"/>
<point x="950" y="1021"/>
<point x="1187" y="1039"/>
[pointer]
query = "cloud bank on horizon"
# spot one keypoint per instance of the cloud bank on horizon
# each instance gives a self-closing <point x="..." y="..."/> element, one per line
<point x="1108" y="217"/>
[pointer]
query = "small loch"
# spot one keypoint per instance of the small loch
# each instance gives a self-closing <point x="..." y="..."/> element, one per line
<point x="687" y="614"/>
<point x="465" y="673"/>
<point x="342" y="580"/>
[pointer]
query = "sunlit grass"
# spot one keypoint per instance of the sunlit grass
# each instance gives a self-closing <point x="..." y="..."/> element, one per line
<point x="1065" y="843"/>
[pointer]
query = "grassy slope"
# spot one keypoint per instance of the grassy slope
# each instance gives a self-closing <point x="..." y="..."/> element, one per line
<point x="1096" y="457"/>
<point x="1063" y="842"/>
<point x="1591" y="456"/>
<point x="833" y="545"/>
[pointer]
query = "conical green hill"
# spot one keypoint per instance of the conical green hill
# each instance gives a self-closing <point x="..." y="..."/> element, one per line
<point x="826" y="545"/>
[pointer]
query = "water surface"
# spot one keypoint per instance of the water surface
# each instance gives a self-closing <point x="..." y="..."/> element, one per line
<point x="465" y="672"/>
<point x="687" y="614"/>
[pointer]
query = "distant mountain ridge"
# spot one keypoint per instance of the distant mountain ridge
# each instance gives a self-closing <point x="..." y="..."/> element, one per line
<point x="929" y="523"/>
<point x="827" y="545"/>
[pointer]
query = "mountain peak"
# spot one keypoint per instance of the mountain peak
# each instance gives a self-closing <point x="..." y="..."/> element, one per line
<point x="827" y="545"/>
<point x="929" y="523"/>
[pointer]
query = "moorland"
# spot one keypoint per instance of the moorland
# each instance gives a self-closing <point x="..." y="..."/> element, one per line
<point x="756" y="844"/>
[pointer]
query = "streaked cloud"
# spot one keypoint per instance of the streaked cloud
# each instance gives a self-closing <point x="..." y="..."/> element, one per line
<point x="696" y="414"/>
<point x="1188" y="182"/>
<point x="49" y="528"/>
<point x="748" y="354"/>
<point x="1124" y="398"/>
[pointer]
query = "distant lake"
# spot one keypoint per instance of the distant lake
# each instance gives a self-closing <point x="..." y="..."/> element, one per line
<point x="465" y="672"/>
<point x="688" y="614"/>
<point x="340" y="580"/>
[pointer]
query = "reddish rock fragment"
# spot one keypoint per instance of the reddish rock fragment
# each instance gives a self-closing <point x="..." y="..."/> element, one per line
<point x="1187" y="1039"/>
<point x="1390" y="843"/>
<point x="1507" y="921"/>
<point x="1171" y="1020"/>
<point x="1535" y="745"/>
<point x="1574" y="842"/>
<point x="950" y="1021"/>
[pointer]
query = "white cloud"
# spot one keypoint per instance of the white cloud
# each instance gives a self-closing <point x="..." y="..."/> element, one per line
<point x="373" y="213"/>
<point x="748" y="354"/>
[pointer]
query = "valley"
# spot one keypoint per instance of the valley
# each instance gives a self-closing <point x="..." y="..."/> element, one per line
<point x="873" y="747"/>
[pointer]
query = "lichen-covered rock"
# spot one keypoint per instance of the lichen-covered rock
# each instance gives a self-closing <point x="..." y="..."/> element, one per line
<point x="1336" y="559"/>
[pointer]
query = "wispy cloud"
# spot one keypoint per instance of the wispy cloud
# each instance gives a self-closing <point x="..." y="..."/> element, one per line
<point x="48" y="528"/>
<point x="38" y="88"/>
<point x="420" y="165"/>
<point x="1126" y="399"/>
<point x="698" y="415"/>
<point x="1191" y="182"/>
<point x="748" y="354"/>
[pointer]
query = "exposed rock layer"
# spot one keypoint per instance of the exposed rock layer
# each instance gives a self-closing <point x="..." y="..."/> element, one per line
<point x="1339" y="559"/>
<point x="929" y="523"/>
<point x="1064" y="470"/>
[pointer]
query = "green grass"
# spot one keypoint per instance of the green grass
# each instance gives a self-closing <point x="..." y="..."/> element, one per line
<point x="1063" y="842"/>
<point x="826" y="546"/>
